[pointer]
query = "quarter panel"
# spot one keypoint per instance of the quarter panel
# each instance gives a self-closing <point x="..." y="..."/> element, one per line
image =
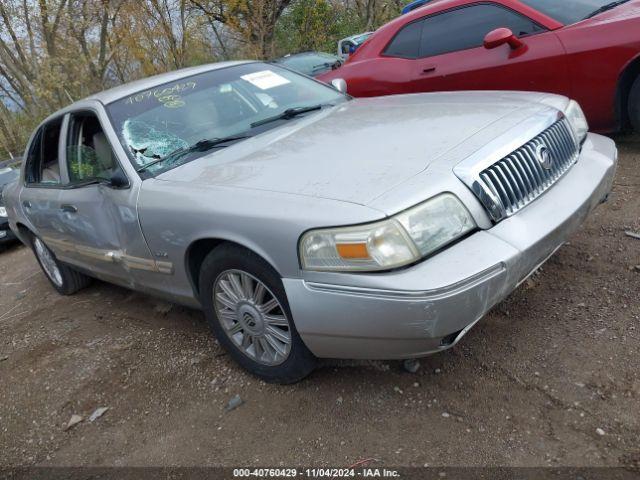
<point x="609" y="41"/>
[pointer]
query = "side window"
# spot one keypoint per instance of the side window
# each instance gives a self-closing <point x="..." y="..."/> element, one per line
<point x="89" y="155"/>
<point x="32" y="169"/>
<point x="466" y="28"/>
<point x="406" y="43"/>
<point x="42" y="160"/>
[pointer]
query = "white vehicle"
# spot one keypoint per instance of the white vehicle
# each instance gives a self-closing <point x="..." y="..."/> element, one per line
<point x="348" y="45"/>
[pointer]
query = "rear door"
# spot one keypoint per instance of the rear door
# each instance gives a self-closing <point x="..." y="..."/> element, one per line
<point x="445" y="51"/>
<point x="39" y="199"/>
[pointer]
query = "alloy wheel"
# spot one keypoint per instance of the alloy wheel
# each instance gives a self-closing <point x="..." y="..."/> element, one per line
<point x="252" y="317"/>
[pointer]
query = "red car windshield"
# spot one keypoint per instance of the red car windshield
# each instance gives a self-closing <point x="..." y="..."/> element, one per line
<point x="571" y="11"/>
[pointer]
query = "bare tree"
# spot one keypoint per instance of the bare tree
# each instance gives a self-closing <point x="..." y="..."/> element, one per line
<point x="372" y="13"/>
<point x="51" y="51"/>
<point x="253" y="21"/>
<point x="55" y="51"/>
<point x="91" y="26"/>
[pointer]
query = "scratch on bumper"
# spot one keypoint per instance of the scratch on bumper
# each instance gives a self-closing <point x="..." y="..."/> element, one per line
<point x="436" y="294"/>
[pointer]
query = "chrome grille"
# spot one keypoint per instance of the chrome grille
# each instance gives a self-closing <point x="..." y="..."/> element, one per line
<point x="519" y="178"/>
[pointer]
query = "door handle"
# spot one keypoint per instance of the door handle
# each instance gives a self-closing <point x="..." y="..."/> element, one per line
<point x="69" y="208"/>
<point x="429" y="69"/>
<point x="26" y="204"/>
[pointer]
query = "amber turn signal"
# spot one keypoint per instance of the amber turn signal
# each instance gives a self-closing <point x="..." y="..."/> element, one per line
<point x="352" y="250"/>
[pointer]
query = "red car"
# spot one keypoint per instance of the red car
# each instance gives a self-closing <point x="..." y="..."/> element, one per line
<point x="588" y="50"/>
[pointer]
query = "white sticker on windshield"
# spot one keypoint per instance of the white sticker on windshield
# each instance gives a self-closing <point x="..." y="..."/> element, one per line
<point x="265" y="79"/>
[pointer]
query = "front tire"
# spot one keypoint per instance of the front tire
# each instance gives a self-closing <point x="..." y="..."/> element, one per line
<point x="247" y="309"/>
<point x="634" y="105"/>
<point x="64" y="279"/>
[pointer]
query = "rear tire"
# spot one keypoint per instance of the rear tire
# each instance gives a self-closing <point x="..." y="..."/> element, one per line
<point x="247" y="309"/>
<point x="634" y="105"/>
<point x="64" y="279"/>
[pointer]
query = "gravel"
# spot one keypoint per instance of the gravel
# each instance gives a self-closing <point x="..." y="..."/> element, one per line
<point x="166" y="380"/>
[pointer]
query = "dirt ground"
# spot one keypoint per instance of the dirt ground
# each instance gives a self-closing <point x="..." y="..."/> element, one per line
<point x="549" y="377"/>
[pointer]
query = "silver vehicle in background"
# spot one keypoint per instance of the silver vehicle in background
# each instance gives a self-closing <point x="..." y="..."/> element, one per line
<point x="303" y="222"/>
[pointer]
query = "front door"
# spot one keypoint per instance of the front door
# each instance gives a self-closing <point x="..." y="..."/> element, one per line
<point x="99" y="221"/>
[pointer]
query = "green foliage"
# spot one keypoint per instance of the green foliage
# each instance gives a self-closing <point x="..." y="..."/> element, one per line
<point x="82" y="162"/>
<point x="314" y="25"/>
<point x="82" y="171"/>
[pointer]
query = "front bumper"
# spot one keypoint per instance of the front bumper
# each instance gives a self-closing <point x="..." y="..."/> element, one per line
<point x="429" y="307"/>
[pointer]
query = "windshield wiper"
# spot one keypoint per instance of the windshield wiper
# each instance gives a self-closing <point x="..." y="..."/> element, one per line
<point x="604" y="8"/>
<point x="201" y="146"/>
<point x="288" y="114"/>
<point x="331" y="65"/>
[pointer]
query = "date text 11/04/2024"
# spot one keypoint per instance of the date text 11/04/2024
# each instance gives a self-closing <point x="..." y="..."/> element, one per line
<point x="316" y="473"/>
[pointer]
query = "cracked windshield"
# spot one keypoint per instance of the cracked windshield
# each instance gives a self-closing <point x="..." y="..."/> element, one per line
<point x="171" y="124"/>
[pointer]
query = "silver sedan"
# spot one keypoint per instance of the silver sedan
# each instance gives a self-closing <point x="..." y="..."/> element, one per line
<point x="303" y="222"/>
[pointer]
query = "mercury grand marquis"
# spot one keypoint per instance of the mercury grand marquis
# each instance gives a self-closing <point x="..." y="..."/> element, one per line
<point x="303" y="222"/>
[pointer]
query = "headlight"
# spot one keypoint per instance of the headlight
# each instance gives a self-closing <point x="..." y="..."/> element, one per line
<point x="3" y="211"/>
<point x="391" y="243"/>
<point x="578" y="121"/>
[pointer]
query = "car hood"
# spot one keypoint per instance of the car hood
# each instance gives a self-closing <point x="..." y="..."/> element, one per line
<point x="358" y="150"/>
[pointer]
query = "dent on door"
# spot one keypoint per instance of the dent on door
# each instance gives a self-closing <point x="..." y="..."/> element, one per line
<point x="102" y="234"/>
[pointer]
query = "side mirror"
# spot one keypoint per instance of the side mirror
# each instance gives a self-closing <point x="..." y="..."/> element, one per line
<point x="500" y="36"/>
<point x="339" y="84"/>
<point x="119" y="180"/>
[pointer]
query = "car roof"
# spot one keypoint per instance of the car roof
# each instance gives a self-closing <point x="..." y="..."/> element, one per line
<point x="434" y="6"/>
<point x="10" y="163"/>
<point x="113" y="94"/>
<point x="116" y="93"/>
